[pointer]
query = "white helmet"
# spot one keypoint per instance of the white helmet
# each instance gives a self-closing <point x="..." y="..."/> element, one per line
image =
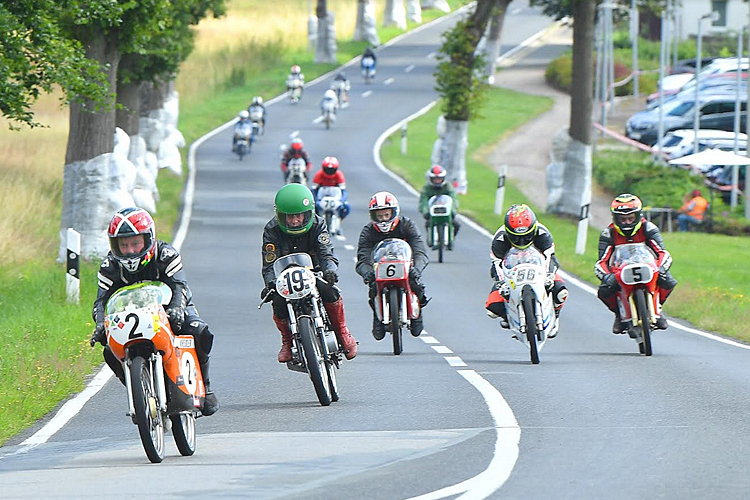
<point x="257" y="100"/>
<point x="243" y="115"/>
<point x="330" y="94"/>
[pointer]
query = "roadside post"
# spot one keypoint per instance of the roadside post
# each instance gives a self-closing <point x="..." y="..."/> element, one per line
<point x="73" y="271"/>
<point x="500" y="193"/>
<point x="403" y="139"/>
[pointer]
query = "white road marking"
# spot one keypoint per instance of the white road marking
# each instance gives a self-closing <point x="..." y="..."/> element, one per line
<point x="318" y="119"/>
<point x="389" y="81"/>
<point x="431" y="55"/>
<point x="454" y="361"/>
<point x="349" y="247"/>
<point x="366" y="93"/>
<point x="409" y="68"/>
<point x="340" y="237"/>
<point x="429" y="340"/>
<point x="441" y="349"/>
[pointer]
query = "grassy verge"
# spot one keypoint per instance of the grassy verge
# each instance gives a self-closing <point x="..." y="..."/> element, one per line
<point x="713" y="297"/>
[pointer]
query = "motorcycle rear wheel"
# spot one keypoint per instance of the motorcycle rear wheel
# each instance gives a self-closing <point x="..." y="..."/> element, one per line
<point x="393" y="306"/>
<point x="314" y="360"/>
<point x="529" y="312"/>
<point x="640" y="304"/>
<point x="183" y="431"/>
<point x="150" y="426"/>
<point x="440" y="242"/>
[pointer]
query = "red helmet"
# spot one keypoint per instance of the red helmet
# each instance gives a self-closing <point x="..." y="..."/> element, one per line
<point x="437" y="174"/>
<point x="521" y="225"/>
<point x="330" y="165"/>
<point x="127" y="223"/>
<point x="380" y="201"/>
<point x="295" y="69"/>
<point x="626" y="214"/>
<point x="297" y="145"/>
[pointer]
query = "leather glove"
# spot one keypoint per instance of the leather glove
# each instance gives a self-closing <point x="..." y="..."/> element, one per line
<point x="369" y="278"/>
<point x="269" y="288"/>
<point x="549" y="282"/>
<point x="99" y="335"/>
<point x="610" y="281"/>
<point x="176" y="316"/>
<point x="504" y="290"/>
<point x="330" y="276"/>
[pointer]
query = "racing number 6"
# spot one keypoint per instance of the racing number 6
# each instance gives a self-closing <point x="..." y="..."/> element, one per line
<point x="390" y="270"/>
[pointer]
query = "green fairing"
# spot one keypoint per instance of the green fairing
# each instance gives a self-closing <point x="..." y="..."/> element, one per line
<point x="429" y="191"/>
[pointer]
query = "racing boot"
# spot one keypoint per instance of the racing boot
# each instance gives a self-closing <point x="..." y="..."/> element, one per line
<point x="378" y="328"/>
<point x="617" y="326"/>
<point x="335" y="312"/>
<point x="210" y="403"/>
<point x="661" y="322"/>
<point x="285" y="354"/>
<point x="417" y="326"/>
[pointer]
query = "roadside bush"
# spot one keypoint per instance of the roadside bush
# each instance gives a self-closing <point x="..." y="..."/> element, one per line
<point x="559" y="72"/>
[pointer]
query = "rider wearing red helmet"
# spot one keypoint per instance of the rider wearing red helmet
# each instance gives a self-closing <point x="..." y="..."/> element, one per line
<point x="629" y="226"/>
<point x="521" y="229"/>
<point x="331" y="175"/>
<point x="387" y="222"/>
<point x="136" y="255"/>
<point x="296" y="150"/>
<point x="437" y="184"/>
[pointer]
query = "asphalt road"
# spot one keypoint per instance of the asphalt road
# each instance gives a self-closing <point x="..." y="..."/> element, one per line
<point x="461" y="412"/>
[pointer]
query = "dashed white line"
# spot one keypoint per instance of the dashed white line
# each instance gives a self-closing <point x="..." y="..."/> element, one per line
<point x="349" y="247"/>
<point x="389" y="81"/>
<point x="431" y="55"/>
<point x="366" y="93"/>
<point x="454" y="361"/>
<point x="318" y="119"/>
<point x="409" y="68"/>
<point x="429" y="340"/>
<point x="441" y="349"/>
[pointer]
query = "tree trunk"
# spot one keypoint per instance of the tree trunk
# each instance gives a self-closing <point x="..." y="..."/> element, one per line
<point x="92" y="131"/>
<point x="581" y="92"/>
<point x="325" y="48"/>
<point x="494" y="36"/>
<point x="413" y="11"/>
<point x="128" y="98"/>
<point x="394" y="14"/>
<point x="366" y="28"/>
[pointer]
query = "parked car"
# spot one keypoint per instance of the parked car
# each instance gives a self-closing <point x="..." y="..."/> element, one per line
<point x="688" y="65"/>
<point x="672" y="83"/>
<point x="716" y="112"/>
<point x="681" y="142"/>
<point x="722" y="82"/>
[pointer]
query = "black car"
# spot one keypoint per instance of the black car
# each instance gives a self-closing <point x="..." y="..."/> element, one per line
<point x="716" y="112"/>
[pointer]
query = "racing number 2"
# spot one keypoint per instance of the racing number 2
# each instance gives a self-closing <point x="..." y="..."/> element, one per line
<point x="136" y="321"/>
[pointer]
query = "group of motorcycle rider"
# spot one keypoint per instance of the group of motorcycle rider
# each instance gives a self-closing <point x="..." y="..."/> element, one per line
<point x="136" y="255"/>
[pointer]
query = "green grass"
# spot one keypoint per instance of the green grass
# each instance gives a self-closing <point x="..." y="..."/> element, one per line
<point x="45" y="353"/>
<point x="714" y="288"/>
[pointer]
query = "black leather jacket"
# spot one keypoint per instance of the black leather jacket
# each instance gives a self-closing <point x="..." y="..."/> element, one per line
<point x="405" y="230"/>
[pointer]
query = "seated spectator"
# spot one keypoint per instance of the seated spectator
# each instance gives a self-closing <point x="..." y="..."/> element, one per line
<point x="693" y="210"/>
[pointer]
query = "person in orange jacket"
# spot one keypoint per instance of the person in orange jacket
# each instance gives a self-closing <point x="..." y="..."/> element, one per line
<point x="693" y="210"/>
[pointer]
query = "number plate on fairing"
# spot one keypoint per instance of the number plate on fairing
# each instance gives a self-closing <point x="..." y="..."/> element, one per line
<point x="635" y="274"/>
<point x="295" y="282"/>
<point x="391" y="270"/>
<point x="141" y="323"/>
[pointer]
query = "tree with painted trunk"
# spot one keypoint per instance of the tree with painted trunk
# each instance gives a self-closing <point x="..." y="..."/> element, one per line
<point x="491" y="46"/>
<point x="366" y="27"/>
<point x="325" y="46"/>
<point x="395" y="14"/>
<point x="460" y="83"/>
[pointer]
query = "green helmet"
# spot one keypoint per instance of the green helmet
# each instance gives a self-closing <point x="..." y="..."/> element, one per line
<point x="294" y="199"/>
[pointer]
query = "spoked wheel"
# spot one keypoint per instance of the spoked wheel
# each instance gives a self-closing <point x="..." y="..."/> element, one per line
<point x="440" y="243"/>
<point x="332" y="384"/>
<point x="314" y="360"/>
<point x="393" y="305"/>
<point x="640" y="304"/>
<point x="183" y="430"/>
<point x="528" y="310"/>
<point x="147" y="414"/>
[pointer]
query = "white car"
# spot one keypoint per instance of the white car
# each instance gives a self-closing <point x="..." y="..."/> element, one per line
<point x="679" y="143"/>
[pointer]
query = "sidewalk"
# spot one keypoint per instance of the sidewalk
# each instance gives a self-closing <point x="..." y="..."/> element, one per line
<point x="526" y="152"/>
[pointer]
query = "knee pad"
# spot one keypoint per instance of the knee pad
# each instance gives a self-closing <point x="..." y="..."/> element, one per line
<point x="204" y="339"/>
<point x="497" y="308"/>
<point x="559" y="296"/>
<point x="666" y="281"/>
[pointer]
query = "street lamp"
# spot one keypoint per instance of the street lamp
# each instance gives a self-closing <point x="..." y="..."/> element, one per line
<point x="696" y="120"/>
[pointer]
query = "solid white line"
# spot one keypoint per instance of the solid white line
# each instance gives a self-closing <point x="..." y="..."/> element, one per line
<point x="409" y="68"/>
<point x="366" y="93"/>
<point x="454" y="361"/>
<point x="441" y="349"/>
<point x="389" y="81"/>
<point x="506" y="448"/>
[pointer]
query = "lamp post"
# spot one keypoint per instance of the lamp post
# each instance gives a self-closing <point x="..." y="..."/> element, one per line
<point x="696" y="106"/>
<point x="737" y="112"/>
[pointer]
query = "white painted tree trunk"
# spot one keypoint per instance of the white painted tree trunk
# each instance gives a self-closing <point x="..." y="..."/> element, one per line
<point x="569" y="181"/>
<point x="436" y="4"/>
<point x="366" y="27"/>
<point x="325" y="49"/>
<point x="453" y="153"/>
<point x="395" y="14"/>
<point x="413" y="11"/>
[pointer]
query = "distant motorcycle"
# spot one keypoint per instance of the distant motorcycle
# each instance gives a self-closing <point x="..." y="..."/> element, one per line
<point x="256" y="117"/>
<point x="635" y="267"/>
<point x="329" y="112"/>
<point x="294" y="86"/>
<point x="245" y="137"/>
<point x="315" y="350"/>
<point x="440" y="233"/>
<point x="162" y="375"/>
<point x="530" y="308"/>
<point x="368" y="69"/>
<point x="297" y="171"/>
<point x="341" y="87"/>
<point x="395" y="303"/>
<point x="329" y="201"/>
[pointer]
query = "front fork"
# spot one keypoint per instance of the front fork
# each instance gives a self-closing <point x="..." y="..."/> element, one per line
<point x="156" y="363"/>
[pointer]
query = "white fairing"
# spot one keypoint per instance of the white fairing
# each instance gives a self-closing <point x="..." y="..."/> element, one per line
<point x="295" y="283"/>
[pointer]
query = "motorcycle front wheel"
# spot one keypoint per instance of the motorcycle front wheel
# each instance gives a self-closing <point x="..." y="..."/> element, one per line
<point x="393" y="306"/>
<point x="147" y="414"/>
<point x="329" y="220"/>
<point x="314" y="360"/>
<point x="640" y="305"/>
<point x="183" y="431"/>
<point x="440" y="242"/>
<point x="529" y="311"/>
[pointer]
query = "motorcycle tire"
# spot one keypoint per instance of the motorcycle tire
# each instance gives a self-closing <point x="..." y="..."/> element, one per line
<point x="440" y="242"/>
<point x="183" y="431"/>
<point x="394" y="307"/>
<point x="147" y="414"/>
<point x="314" y="360"/>
<point x="332" y="383"/>
<point x="531" y="334"/>
<point x="329" y="219"/>
<point x="640" y="305"/>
